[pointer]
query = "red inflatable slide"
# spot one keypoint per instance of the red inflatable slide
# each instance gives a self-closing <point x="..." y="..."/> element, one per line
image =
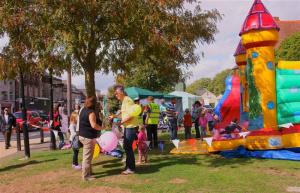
<point x="229" y="107"/>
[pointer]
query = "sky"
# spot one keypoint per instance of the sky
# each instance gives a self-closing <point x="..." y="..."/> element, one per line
<point x="218" y="55"/>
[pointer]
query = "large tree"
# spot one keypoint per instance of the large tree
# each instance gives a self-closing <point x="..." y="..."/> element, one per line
<point x="118" y="36"/>
<point x="289" y="48"/>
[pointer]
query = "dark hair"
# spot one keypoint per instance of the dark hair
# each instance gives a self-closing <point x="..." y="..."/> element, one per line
<point x="197" y="103"/>
<point x="90" y="102"/>
<point x="120" y="88"/>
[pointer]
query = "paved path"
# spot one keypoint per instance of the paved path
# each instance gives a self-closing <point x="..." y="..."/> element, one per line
<point x="35" y="144"/>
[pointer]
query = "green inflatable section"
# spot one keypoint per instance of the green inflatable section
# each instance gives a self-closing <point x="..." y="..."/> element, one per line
<point x="288" y="96"/>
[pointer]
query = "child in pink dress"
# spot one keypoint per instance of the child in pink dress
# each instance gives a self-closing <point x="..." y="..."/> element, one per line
<point x="203" y="124"/>
<point x="142" y="146"/>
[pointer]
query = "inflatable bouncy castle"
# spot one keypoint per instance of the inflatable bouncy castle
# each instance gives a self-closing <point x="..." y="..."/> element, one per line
<point x="264" y="96"/>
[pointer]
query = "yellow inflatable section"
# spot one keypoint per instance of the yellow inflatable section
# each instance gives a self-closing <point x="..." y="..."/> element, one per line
<point x="289" y="65"/>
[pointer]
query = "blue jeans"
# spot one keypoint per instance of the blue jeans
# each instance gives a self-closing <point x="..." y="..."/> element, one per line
<point x="129" y="137"/>
<point x="173" y="128"/>
<point x="197" y="128"/>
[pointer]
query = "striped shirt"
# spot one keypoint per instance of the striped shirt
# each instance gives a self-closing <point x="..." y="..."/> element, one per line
<point x="171" y="111"/>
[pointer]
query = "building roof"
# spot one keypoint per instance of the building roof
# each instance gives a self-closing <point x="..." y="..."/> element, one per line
<point x="259" y="18"/>
<point x="202" y="91"/>
<point x="184" y="94"/>
<point x="240" y="49"/>
<point x="287" y="28"/>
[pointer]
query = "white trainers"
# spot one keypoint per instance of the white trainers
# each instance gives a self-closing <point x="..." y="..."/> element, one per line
<point x="127" y="172"/>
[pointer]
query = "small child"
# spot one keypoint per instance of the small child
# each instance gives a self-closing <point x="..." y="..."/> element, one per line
<point x="72" y="128"/>
<point x="210" y="119"/>
<point x="232" y="130"/>
<point x="142" y="146"/>
<point x="203" y="124"/>
<point x="187" y="123"/>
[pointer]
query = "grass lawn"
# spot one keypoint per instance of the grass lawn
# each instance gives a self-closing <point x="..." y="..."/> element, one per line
<point x="50" y="171"/>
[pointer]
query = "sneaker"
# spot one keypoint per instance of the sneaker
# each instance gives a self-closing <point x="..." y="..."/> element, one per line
<point x="87" y="179"/>
<point x="76" y="167"/>
<point x="127" y="172"/>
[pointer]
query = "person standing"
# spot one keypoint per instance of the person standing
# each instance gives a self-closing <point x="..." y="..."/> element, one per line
<point x="131" y="125"/>
<point x="152" y="120"/>
<point x="74" y="140"/>
<point x="88" y="128"/>
<point x="195" y="116"/>
<point x="187" y="123"/>
<point x="172" y="118"/>
<point x="57" y="120"/>
<point x="9" y="122"/>
<point x="77" y="108"/>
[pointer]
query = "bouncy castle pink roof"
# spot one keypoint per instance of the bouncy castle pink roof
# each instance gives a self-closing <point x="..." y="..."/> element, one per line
<point x="259" y="18"/>
<point x="240" y="49"/>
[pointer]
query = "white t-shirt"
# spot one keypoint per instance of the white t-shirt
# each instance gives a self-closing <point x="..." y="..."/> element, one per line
<point x="6" y="118"/>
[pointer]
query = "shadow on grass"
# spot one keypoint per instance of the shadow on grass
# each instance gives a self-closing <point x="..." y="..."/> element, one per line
<point x="156" y="164"/>
<point x="32" y="162"/>
<point x="219" y="161"/>
<point x="107" y="162"/>
<point x="112" y="172"/>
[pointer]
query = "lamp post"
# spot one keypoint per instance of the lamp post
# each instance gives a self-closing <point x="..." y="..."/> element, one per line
<point x="52" y="136"/>
<point x="24" y="117"/>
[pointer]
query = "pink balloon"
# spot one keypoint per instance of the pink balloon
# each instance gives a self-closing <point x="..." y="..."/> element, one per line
<point x="108" y="141"/>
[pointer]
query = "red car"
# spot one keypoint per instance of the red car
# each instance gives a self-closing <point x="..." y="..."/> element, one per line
<point x="33" y="119"/>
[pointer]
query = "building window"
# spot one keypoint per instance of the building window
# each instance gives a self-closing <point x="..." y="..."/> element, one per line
<point x="4" y="95"/>
<point x="11" y="96"/>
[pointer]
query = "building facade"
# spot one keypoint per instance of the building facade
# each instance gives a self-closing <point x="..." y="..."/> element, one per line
<point x="37" y="93"/>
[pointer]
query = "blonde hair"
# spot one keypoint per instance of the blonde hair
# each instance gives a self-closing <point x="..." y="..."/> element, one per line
<point x="73" y="118"/>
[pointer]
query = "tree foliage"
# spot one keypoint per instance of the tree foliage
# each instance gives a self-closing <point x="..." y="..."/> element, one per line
<point x="29" y="50"/>
<point x="199" y="84"/>
<point x="218" y="82"/>
<point x="289" y="48"/>
<point x="121" y="36"/>
<point x="215" y="85"/>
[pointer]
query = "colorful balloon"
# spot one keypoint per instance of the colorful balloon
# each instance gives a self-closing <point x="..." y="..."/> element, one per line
<point x="108" y="141"/>
<point x="135" y="110"/>
<point x="96" y="151"/>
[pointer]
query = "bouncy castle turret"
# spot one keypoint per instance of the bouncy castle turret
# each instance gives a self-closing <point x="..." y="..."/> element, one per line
<point x="240" y="60"/>
<point x="259" y="35"/>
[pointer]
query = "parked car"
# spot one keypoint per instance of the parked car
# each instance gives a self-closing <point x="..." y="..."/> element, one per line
<point x="33" y="119"/>
<point x="44" y="116"/>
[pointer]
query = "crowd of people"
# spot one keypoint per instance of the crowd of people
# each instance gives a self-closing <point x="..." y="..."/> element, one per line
<point x="84" y="126"/>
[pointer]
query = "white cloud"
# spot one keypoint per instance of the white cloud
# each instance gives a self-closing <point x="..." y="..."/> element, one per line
<point x="219" y="55"/>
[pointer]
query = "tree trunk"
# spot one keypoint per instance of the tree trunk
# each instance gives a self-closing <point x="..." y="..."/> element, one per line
<point x="69" y="92"/>
<point x="90" y="82"/>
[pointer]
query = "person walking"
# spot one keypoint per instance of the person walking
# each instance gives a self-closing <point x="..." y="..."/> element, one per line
<point x="172" y="118"/>
<point x="8" y="123"/>
<point x="131" y="125"/>
<point x="88" y="127"/>
<point x="152" y="121"/>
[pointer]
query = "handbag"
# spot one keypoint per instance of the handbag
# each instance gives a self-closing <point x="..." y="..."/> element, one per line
<point x="76" y="144"/>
